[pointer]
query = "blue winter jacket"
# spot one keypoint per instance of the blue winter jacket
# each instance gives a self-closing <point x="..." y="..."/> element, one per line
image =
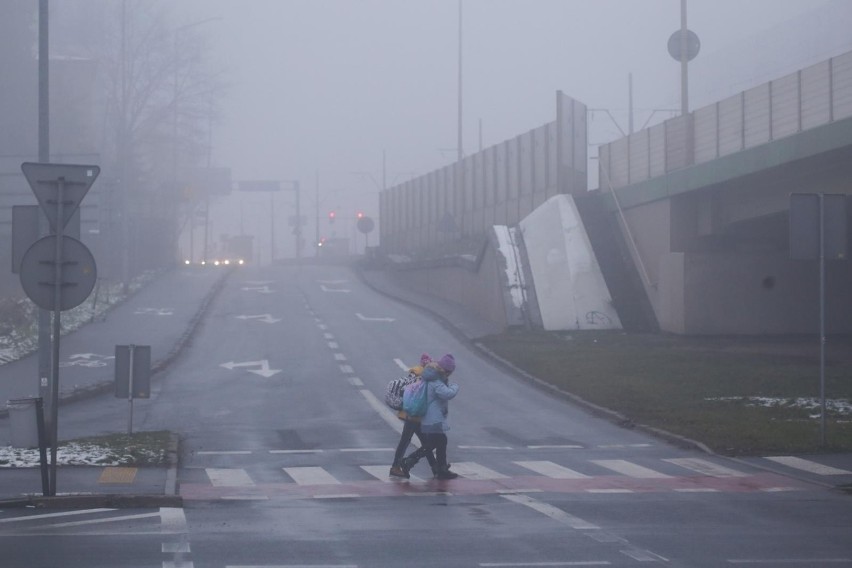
<point x="437" y="406"/>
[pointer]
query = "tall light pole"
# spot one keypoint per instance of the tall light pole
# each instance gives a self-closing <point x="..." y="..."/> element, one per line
<point x="460" y="141"/>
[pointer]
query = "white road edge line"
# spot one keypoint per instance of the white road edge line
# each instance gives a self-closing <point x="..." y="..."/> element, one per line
<point x="554" y="513"/>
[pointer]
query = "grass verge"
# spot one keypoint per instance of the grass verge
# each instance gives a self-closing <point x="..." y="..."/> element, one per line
<point x="142" y="449"/>
<point x="739" y="396"/>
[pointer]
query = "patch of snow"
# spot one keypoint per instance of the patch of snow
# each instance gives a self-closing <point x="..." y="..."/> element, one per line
<point x="840" y="407"/>
<point x="72" y="453"/>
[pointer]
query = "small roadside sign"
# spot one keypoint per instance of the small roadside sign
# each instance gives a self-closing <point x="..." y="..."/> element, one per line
<point x="46" y="180"/>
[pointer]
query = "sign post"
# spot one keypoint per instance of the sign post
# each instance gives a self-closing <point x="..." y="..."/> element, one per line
<point x="58" y="272"/>
<point x="818" y="232"/>
<point x="132" y="375"/>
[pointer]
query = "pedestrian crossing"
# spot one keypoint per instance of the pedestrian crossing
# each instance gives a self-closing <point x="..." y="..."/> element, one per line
<point x="349" y="479"/>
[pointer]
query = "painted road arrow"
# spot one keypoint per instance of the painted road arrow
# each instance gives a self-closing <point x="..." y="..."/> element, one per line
<point x="266" y="318"/>
<point x="365" y="318"/>
<point x="264" y="370"/>
<point x="260" y="289"/>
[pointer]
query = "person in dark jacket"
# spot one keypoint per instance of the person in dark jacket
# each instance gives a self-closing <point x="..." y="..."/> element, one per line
<point x="411" y="426"/>
<point x="434" y="424"/>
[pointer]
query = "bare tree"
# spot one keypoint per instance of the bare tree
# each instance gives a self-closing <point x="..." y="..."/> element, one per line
<point x="159" y="93"/>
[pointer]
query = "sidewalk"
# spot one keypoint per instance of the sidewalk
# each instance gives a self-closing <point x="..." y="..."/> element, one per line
<point x="167" y="330"/>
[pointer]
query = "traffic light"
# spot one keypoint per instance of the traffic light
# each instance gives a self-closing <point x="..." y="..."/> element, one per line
<point x="360" y="215"/>
<point x="331" y="216"/>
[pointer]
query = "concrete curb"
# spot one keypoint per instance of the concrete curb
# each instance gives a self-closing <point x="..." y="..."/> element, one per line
<point x="95" y="501"/>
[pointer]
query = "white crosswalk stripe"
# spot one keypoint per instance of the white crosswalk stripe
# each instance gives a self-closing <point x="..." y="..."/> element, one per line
<point x="229" y="477"/>
<point x="807" y="465"/>
<point x="311" y="476"/>
<point x="705" y="467"/>
<point x="550" y="469"/>
<point x="472" y="470"/>
<point x="317" y="475"/>
<point x="629" y="469"/>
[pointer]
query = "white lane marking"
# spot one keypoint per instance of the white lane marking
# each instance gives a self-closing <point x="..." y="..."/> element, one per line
<point x="339" y="357"/>
<point x="104" y="520"/>
<point x="553" y="512"/>
<point x="367" y="449"/>
<point x="221" y="477"/>
<point x="245" y="497"/>
<point x="311" y="475"/>
<point x="535" y="564"/>
<point x="643" y="555"/>
<point x="401" y="365"/>
<point x="365" y="318"/>
<point x="328" y="335"/>
<point x="296" y="451"/>
<point x="804" y="561"/>
<point x="630" y="469"/>
<point x="472" y="470"/>
<point x="332" y="281"/>
<point x="807" y="465"/>
<point x="559" y="447"/>
<point x="385" y="413"/>
<point x="697" y="490"/>
<point x="327" y="289"/>
<point x="356" y="382"/>
<point x="54" y="515"/>
<point x="777" y="489"/>
<point x="338" y="496"/>
<point x="223" y="453"/>
<point x="606" y="491"/>
<point x="705" y="467"/>
<point x="322" y="326"/>
<point x="172" y="519"/>
<point x="296" y="566"/>
<point x="175" y="547"/>
<point x="486" y="448"/>
<point x="346" y="369"/>
<point x="550" y="469"/>
<point x="333" y="345"/>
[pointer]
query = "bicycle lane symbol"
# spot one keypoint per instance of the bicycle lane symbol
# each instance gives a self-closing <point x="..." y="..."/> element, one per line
<point x="87" y="360"/>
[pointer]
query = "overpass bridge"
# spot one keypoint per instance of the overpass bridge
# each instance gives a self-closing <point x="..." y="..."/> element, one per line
<point x="688" y="233"/>
<point x="703" y="203"/>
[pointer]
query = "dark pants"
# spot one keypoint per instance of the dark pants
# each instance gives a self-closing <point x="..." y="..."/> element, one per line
<point x="431" y="442"/>
<point x="408" y="430"/>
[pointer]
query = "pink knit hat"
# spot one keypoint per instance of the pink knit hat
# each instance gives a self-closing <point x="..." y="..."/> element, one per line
<point x="447" y="363"/>
<point x="425" y="359"/>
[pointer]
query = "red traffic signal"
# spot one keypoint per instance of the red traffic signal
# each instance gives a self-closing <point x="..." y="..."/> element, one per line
<point x="359" y="215"/>
<point x="331" y="216"/>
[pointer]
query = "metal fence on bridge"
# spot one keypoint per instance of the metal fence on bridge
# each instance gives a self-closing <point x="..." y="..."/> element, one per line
<point x="811" y="97"/>
<point x="501" y="185"/>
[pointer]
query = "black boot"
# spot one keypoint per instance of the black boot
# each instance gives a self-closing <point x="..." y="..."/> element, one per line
<point x="445" y="473"/>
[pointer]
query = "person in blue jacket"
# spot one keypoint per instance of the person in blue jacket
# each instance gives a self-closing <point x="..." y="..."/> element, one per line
<point x="434" y="424"/>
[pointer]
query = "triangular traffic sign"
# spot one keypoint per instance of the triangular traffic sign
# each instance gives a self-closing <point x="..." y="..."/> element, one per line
<point x="45" y="180"/>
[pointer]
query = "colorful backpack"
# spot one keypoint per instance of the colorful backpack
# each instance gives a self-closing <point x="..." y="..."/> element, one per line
<point x="414" y="399"/>
<point x="395" y="388"/>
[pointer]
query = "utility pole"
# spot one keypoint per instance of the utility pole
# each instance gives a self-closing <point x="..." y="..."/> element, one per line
<point x="684" y="62"/>
<point x="43" y="157"/>
<point x="460" y="142"/>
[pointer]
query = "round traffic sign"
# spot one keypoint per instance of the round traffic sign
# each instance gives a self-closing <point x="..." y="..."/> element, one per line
<point x="693" y="45"/>
<point x="365" y="224"/>
<point x="38" y="273"/>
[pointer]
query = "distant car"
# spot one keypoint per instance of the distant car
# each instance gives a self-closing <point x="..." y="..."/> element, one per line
<point x="217" y="262"/>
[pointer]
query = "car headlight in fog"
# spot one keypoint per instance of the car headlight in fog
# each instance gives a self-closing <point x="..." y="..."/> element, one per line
<point x="186" y="262"/>
<point x="241" y="262"/>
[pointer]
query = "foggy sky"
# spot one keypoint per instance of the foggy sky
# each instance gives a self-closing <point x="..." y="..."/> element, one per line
<point x="326" y="85"/>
